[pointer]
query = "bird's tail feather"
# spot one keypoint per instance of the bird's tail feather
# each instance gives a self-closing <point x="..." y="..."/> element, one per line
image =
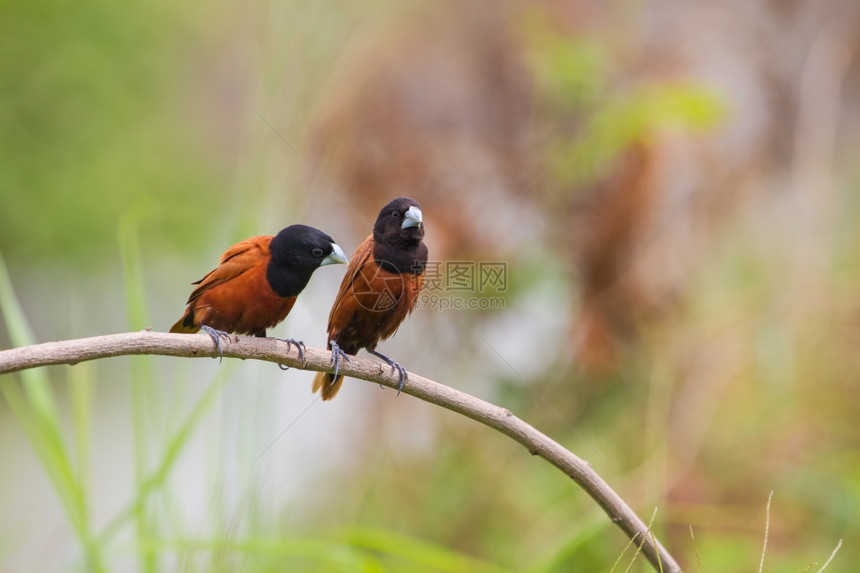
<point x="185" y="325"/>
<point x="327" y="384"/>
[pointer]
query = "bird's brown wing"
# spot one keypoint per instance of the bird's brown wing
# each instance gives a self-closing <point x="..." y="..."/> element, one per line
<point x="342" y="311"/>
<point x="339" y="314"/>
<point x="235" y="261"/>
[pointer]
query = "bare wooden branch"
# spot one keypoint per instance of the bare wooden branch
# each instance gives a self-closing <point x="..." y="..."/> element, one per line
<point x="272" y="350"/>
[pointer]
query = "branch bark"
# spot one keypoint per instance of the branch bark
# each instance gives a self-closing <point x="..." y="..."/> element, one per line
<point x="272" y="350"/>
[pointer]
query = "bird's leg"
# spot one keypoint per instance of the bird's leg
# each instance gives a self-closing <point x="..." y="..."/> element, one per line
<point x="336" y="355"/>
<point x="394" y="366"/>
<point x="216" y="336"/>
<point x="300" y="346"/>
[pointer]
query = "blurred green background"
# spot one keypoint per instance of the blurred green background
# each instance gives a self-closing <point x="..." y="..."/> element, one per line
<point x="671" y="189"/>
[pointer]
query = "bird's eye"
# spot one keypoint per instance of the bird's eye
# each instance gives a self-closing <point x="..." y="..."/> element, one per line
<point x="317" y="252"/>
<point x="395" y="214"/>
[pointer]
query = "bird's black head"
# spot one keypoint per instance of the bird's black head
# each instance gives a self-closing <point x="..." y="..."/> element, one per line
<point x="297" y="251"/>
<point x="397" y="233"/>
<point x="399" y="223"/>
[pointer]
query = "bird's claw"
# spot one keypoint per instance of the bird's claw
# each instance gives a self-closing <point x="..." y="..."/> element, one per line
<point x="216" y="336"/>
<point x="403" y="375"/>
<point x="300" y="347"/>
<point x="336" y="355"/>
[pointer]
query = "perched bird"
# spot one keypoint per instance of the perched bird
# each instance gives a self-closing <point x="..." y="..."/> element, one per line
<point x="379" y="290"/>
<point x="256" y="283"/>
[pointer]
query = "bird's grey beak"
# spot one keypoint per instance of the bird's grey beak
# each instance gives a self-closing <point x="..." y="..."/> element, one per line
<point x="336" y="256"/>
<point x="412" y="218"/>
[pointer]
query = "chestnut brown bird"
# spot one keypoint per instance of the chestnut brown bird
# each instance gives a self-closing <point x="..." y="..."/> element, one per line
<point x="379" y="290"/>
<point x="256" y="284"/>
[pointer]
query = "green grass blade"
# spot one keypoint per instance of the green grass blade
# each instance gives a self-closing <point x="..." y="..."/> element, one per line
<point x="143" y="390"/>
<point x="584" y="532"/>
<point x="341" y="557"/>
<point x="157" y="478"/>
<point x="81" y="389"/>
<point x="421" y="553"/>
<point x="35" y="407"/>
<point x="36" y="383"/>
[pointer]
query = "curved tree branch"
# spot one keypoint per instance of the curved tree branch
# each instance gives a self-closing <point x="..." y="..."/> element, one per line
<point x="273" y="350"/>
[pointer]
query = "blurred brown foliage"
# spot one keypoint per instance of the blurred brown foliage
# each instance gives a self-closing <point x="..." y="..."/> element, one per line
<point x="631" y="141"/>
